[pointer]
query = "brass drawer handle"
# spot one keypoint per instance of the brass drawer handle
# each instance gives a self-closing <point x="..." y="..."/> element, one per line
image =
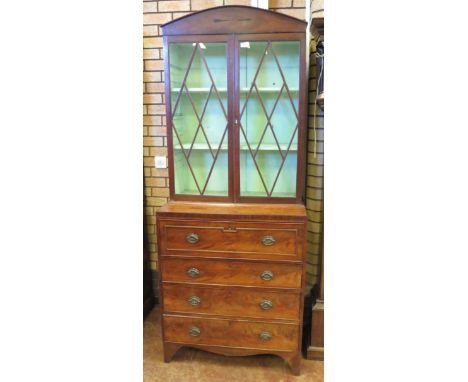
<point x="193" y="272"/>
<point x="266" y="305"/>
<point x="192" y="238"/>
<point x="194" y="331"/>
<point x="194" y="300"/>
<point x="265" y="336"/>
<point x="268" y="240"/>
<point x="266" y="275"/>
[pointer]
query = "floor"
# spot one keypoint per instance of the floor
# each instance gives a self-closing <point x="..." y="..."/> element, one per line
<point x="197" y="365"/>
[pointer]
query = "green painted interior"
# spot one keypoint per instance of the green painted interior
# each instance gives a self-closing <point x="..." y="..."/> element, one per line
<point x="205" y="147"/>
<point x="189" y="140"/>
<point x="283" y="121"/>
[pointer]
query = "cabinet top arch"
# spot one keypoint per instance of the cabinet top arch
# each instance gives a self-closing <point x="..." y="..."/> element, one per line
<point x="238" y="19"/>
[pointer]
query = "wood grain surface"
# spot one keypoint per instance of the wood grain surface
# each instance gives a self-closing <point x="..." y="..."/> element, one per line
<point x="239" y="333"/>
<point x="231" y="272"/>
<point x="227" y="301"/>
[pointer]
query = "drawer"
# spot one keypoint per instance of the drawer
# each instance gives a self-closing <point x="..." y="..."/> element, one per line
<point x="233" y="333"/>
<point x="230" y="237"/>
<point x="231" y="302"/>
<point x="231" y="272"/>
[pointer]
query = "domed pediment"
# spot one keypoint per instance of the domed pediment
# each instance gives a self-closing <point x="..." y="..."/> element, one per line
<point x="233" y="19"/>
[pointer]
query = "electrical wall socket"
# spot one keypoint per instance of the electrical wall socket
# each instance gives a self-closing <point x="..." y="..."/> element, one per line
<point x="160" y="162"/>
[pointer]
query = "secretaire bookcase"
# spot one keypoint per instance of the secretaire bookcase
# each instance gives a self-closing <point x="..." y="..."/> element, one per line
<point x="232" y="239"/>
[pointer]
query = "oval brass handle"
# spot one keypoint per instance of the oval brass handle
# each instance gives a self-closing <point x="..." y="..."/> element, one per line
<point x="268" y="240"/>
<point x="192" y="238"/>
<point x="194" y="331"/>
<point x="266" y="275"/>
<point x="266" y="304"/>
<point x="265" y="336"/>
<point x="194" y="300"/>
<point x="193" y="272"/>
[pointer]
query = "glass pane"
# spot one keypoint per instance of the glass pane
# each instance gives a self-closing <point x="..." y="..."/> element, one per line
<point x="269" y="103"/>
<point x="198" y="78"/>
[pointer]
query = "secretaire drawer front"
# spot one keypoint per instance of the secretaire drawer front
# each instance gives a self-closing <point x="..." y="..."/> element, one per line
<point x="230" y="272"/>
<point x="225" y="236"/>
<point x="231" y="302"/>
<point x="226" y="332"/>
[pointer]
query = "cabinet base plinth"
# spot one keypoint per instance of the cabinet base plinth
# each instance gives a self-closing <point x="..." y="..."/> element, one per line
<point x="292" y="358"/>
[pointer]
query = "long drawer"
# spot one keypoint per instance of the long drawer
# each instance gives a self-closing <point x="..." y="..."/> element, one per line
<point x="231" y="302"/>
<point x="230" y="237"/>
<point x="231" y="272"/>
<point x="227" y="332"/>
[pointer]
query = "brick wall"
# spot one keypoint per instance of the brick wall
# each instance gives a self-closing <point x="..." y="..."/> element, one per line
<point x="156" y="13"/>
<point x="314" y="181"/>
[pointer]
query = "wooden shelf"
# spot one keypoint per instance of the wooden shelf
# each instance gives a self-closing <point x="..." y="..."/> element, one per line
<point x="207" y="193"/>
<point x="243" y="90"/>
<point x="263" y="194"/>
<point x="264" y="147"/>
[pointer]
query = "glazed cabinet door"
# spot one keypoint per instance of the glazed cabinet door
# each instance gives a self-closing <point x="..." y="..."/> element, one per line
<point x="199" y="95"/>
<point x="235" y="113"/>
<point x="269" y="93"/>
